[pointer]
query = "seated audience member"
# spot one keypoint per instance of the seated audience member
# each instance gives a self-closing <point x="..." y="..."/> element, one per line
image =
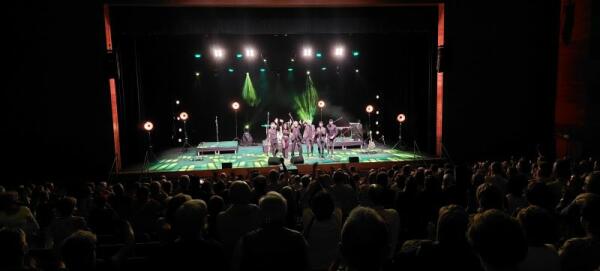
<point x="216" y="205"/>
<point x="343" y="194"/>
<point x="13" y="247"/>
<point x="582" y="253"/>
<point x="240" y="218"/>
<point x="515" y="199"/>
<point x="78" y="251"/>
<point x="390" y="216"/>
<point x="272" y="246"/>
<point x="489" y="197"/>
<point x="498" y="178"/>
<point x="365" y="242"/>
<point x="540" y="230"/>
<point x="65" y="222"/>
<point x="191" y="248"/>
<point x="13" y="215"/>
<point x="322" y="229"/>
<point x="167" y="234"/>
<point x="537" y="193"/>
<point x="498" y="240"/>
<point x="451" y="250"/>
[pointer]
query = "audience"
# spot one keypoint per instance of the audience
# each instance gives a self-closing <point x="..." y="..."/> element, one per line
<point x="517" y="214"/>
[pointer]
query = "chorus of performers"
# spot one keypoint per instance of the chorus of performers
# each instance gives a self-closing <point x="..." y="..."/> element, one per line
<point x="288" y="136"/>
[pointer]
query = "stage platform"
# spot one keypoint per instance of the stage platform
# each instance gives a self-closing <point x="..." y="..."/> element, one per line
<point x="177" y="161"/>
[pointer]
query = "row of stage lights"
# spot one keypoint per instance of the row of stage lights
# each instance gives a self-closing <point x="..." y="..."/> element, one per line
<point x="251" y="53"/>
<point x="262" y="70"/>
<point x="183" y="116"/>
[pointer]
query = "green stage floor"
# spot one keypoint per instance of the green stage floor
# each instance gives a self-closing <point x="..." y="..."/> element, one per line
<point x="175" y="160"/>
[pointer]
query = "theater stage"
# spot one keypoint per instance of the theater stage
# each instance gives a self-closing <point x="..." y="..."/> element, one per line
<point x="177" y="160"/>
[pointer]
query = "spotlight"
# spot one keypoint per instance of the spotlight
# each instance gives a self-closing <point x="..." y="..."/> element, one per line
<point x="307" y="72"/>
<point x="376" y="132"/>
<point x="183" y="116"/>
<point x="263" y="70"/>
<point x="356" y="71"/>
<point x="369" y="109"/>
<point x="401" y="118"/>
<point x="235" y="105"/>
<point x="307" y="52"/>
<point x="197" y="74"/>
<point x="148" y="126"/>
<point x="321" y="104"/>
<point x="250" y="53"/>
<point x="292" y="60"/>
<point x="180" y="130"/>
<point x="230" y="70"/>
<point x="247" y="126"/>
<point x="338" y="51"/>
<point x="377" y="123"/>
<point x="179" y="140"/>
<point x="290" y="69"/>
<point x="197" y="55"/>
<point x="377" y="97"/>
<point x="355" y="53"/>
<point x="264" y="60"/>
<point x="319" y="55"/>
<point x="218" y="52"/>
<point x="177" y="102"/>
<point x="377" y="112"/>
<point x="324" y="68"/>
<point x="239" y="56"/>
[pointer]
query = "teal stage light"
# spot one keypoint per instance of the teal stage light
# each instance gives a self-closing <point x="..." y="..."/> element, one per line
<point x="319" y="55"/>
<point x="197" y="55"/>
<point x="239" y="56"/>
<point x="263" y="70"/>
<point x="355" y="53"/>
<point x="230" y="70"/>
<point x="290" y="69"/>
<point x="324" y="68"/>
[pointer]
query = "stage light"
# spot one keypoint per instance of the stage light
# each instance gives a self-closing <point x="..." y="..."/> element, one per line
<point x="218" y="52"/>
<point x="338" y="51"/>
<point x="183" y="116"/>
<point x="324" y="68"/>
<point x="355" y="53"/>
<point x="377" y="123"/>
<point x="290" y="69"/>
<point x="307" y="52"/>
<point x="179" y="140"/>
<point x="321" y="104"/>
<point x="292" y="60"/>
<point x="230" y="70"/>
<point x="197" y="74"/>
<point x="377" y="113"/>
<point x="148" y="126"/>
<point x="264" y="60"/>
<point x="376" y="132"/>
<point x="177" y="102"/>
<point x="198" y="55"/>
<point x="377" y="97"/>
<point x="401" y="118"/>
<point x="307" y="72"/>
<point x="239" y="56"/>
<point x="356" y="71"/>
<point x="319" y="55"/>
<point x="247" y="126"/>
<point x="250" y="53"/>
<point x="263" y="70"/>
<point x="180" y="130"/>
<point x="235" y="105"/>
<point x="369" y="109"/>
<point x="178" y="118"/>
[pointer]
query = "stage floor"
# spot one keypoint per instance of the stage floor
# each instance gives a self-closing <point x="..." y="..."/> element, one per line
<point x="252" y="157"/>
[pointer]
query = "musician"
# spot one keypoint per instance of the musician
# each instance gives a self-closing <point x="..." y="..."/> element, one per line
<point x="332" y="133"/>
<point x="309" y="136"/>
<point x="272" y="139"/>
<point x="285" y="140"/>
<point x="321" y="137"/>
<point x="296" y="138"/>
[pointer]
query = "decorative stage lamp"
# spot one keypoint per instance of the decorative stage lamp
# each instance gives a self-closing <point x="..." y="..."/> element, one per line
<point x="149" y="155"/>
<point x="401" y="118"/>
<point x="148" y="126"/>
<point x="321" y="104"/>
<point x="184" y="117"/>
<point x="369" y="109"/>
<point x="236" y="107"/>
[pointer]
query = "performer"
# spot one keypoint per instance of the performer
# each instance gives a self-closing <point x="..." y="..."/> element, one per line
<point x="321" y="137"/>
<point x="285" y="141"/>
<point x="309" y="136"/>
<point x="332" y="133"/>
<point x="296" y="138"/>
<point x="272" y="139"/>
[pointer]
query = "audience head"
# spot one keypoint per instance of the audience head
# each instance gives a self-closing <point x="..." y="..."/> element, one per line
<point x="537" y="194"/>
<point x="173" y="204"/>
<point x="376" y="194"/>
<point x="79" y="251"/>
<point x="364" y="243"/>
<point x="273" y="208"/>
<point x="592" y="183"/>
<point x="538" y="225"/>
<point x="322" y="205"/>
<point x="190" y="218"/>
<point x="452" y="224"/>
<point x="240" y="193"/>
<point x="590" y="213"/>
<point x="489" y="197"/>
<point x="544" y="169"/>
<point x="13" y="247"/>
<point x="339" y="177"/>
<point x="498" y="239"/>
<point x="66" y="206"/>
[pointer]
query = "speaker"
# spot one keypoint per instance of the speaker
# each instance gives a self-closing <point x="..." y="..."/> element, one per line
<point x="297" y="160"/>
<point x="274" y="161"/>
<point x="226" y="165"/>
<point x="353" y="159"/>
